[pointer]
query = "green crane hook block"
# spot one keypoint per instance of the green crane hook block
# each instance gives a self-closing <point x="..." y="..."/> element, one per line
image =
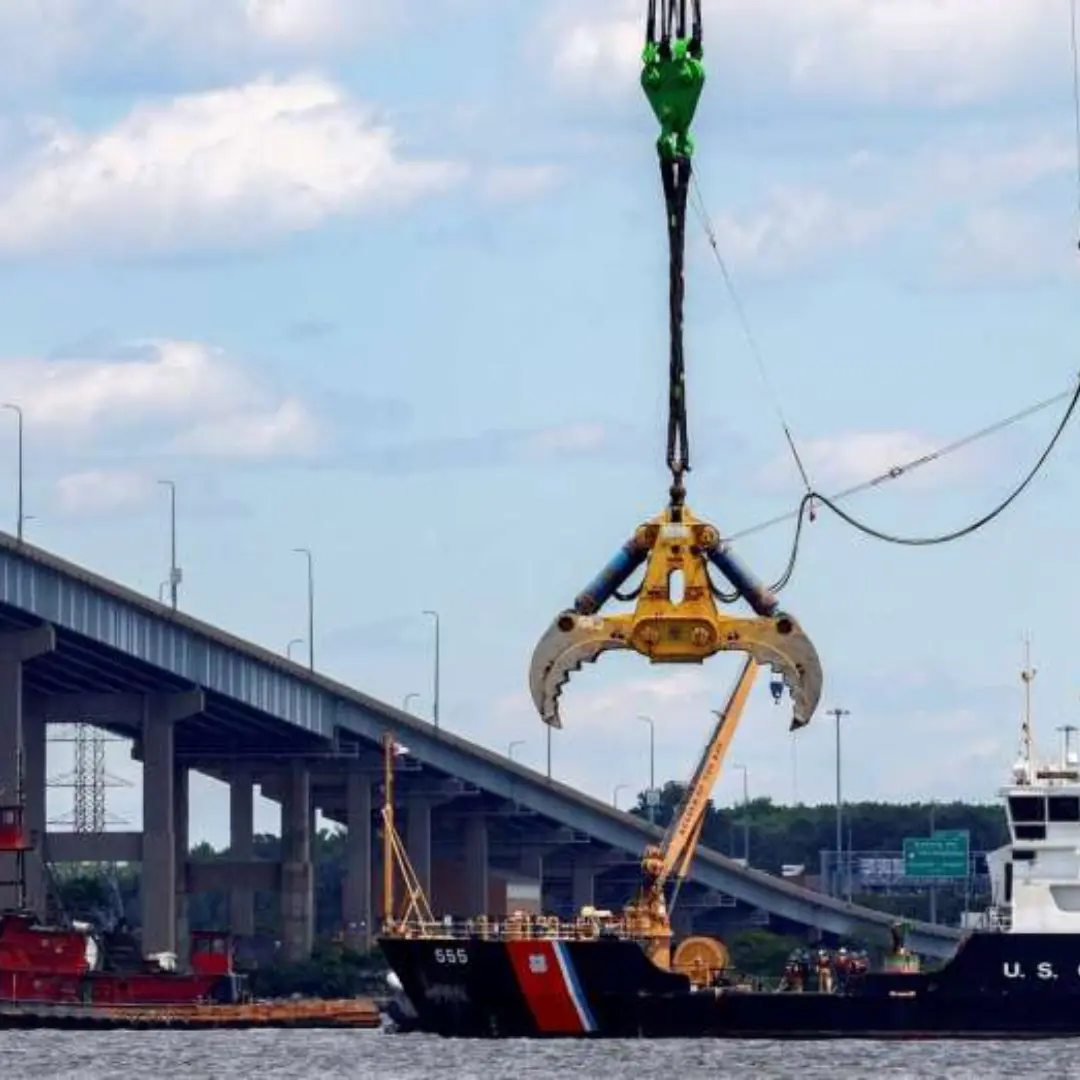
<point x="673" y="85"/>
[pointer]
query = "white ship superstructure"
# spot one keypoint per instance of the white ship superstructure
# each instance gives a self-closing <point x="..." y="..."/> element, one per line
<point x="1035" y="879"/>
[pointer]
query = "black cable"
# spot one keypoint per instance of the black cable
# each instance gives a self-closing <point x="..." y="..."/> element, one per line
<point x="926" y="541"/>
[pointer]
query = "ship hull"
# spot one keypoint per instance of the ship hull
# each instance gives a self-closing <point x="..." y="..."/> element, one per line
<point x="115" y="989"/>
<point x="996" y="986"/>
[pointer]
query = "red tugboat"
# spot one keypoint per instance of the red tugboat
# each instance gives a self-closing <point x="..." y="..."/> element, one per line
<point x="73" y="965"/>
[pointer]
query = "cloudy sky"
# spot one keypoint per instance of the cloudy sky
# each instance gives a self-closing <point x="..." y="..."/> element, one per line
<point x="393" y="287"/>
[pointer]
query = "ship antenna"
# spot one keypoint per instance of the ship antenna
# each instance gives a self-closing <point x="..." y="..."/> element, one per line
<point x="1028" y="676"/>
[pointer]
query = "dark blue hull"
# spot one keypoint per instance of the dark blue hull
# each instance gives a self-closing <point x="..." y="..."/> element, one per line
<point x="996" y="986"/>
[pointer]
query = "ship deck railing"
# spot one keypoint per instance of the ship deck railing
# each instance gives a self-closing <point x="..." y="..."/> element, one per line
<point x="516" y="928"/>
<point x="999" y="919"/>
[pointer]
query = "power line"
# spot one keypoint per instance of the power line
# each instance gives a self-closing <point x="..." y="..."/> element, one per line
<point x="808" y="501"/>
<point x="942" y="538"/>
<point x="896" y="472"/>
<point x="811" y="498"/>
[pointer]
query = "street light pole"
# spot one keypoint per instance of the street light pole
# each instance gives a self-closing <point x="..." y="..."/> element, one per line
<point x="17" y="410"/>
<point x="174" y="570"/>
<point x="510" y="750"/>
<point x="839" y="714"/>
<point x="408" y="698"/>
<point x="746" y="812"/>
<point x="435" y="696"/>
<point x="310" y="603"/>
<point x="652" y="765"/>
<point x="292" y="642"/>
<point x="615" y="794"/>
<point x="548" y="726"/>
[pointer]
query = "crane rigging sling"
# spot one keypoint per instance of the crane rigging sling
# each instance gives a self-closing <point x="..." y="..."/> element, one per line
<point x="673" y="78"/>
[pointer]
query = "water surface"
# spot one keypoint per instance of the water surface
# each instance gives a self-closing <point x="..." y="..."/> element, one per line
<point x="369" y="1054"/>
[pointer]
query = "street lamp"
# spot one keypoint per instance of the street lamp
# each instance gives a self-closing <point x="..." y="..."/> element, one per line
<point x="652" y="766"/>
<point x="435" y="696"/>
<point x="17" y="410"/>
<point x="174" y="570"/>
<point x="615" y="794"/>
<point x="839" y="714"/>
<point x="510" y="750"/>
<point x="292" y="642"/>
<point x="408" y="698"/>
<point x="746" y="812"/>
<point x="310" y="603"/>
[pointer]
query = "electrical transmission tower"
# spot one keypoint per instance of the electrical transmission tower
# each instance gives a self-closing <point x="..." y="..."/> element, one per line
<point x="88" y="778"/>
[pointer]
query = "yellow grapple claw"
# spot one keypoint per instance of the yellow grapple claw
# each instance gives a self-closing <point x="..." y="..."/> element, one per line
<point x="675" y="623"/>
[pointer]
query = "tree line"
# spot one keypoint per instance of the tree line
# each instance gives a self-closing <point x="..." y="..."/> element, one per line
<point x="780" y="835"/>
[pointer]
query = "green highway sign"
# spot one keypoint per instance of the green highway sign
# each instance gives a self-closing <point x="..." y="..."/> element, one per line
<point x="943" y="855"/>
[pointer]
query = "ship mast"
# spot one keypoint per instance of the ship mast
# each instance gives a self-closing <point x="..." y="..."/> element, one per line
<point x="388" y="827"/>
<point x="417" y="918"/>
<point x="1027" y="676"/>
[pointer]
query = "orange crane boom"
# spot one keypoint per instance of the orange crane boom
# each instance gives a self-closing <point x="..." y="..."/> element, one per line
<point x="648" y="916"/>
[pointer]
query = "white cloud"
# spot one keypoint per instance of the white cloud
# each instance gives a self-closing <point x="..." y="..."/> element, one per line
<point x="101" y="491"/>
<point x="998" y="243"/>
<point x="76" y="40"/>
<point x="287" y="428"/>
<point x="558" y="441"/>
<point x="841" y="461"/>
<point x="979" y="193"/>
<point x="792" y="228"/>
<point x="929" y="52"/>
<point x="510" y="183"/>
<point x="179" y="395"/>
<point x="219" y="170"/>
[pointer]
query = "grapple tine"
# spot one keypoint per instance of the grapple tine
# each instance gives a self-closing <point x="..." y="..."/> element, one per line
<point x="781" y="644"/>
<point x="570" y="641"/>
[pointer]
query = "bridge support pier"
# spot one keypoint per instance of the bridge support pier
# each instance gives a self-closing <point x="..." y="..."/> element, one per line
<point x="183" y="849"/>
<point x="357" y="913"/>
<point x="242" y="849"/>
<point x="16" y="648"/>
<point x="297" y="878"/>
<point x="582" y="886"/>
<point x="476" y="865"/>
<point x="160" y="882"/>
<point x="34" y="788"/>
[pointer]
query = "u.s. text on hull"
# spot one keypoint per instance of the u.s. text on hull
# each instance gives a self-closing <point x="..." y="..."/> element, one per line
<point x="676" y="617"/>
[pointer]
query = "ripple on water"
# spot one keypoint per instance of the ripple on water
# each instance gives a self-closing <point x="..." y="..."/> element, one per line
<point x="361" y="1055"/>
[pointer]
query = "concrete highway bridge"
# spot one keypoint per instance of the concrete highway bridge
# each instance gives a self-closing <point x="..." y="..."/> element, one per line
<point x="76" y="646"/>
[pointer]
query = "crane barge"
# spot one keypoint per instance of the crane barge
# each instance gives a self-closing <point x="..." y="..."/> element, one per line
<point x="621" y="975"/>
